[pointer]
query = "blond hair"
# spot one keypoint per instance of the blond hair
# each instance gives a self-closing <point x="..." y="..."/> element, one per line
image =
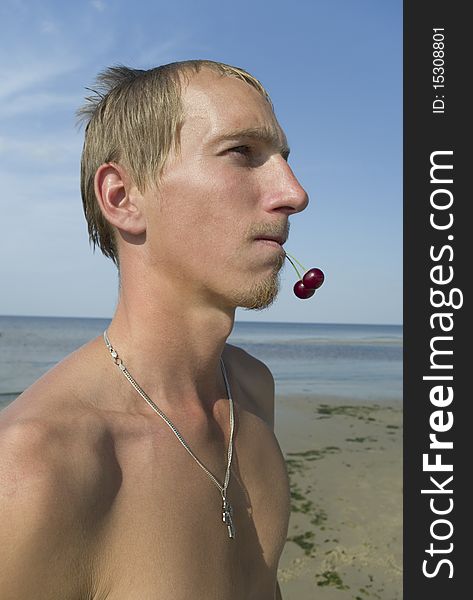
<point x="134" y="118"/>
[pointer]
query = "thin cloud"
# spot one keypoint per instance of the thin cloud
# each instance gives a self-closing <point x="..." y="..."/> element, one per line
<point x="20" y="78"/>
<point x="47" y="26"/>
<point x="167" y="50"/>
<point x="98" y="5"/>
<point x="39" y="150"/>
<point x="37" y="103"/>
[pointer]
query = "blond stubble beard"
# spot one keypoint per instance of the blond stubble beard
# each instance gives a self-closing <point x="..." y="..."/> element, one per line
<point x="263" y="293"/>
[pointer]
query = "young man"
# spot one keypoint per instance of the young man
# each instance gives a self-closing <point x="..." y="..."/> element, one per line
<point x="127" y="472"/>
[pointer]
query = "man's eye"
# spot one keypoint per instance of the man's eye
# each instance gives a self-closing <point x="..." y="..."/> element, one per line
<point x="244" y="150"/>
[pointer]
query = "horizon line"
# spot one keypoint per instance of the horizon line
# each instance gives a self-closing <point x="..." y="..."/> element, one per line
<point x="236" y="320"/>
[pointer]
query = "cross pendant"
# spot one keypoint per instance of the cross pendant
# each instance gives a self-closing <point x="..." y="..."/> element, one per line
<point x="227" y="512"/>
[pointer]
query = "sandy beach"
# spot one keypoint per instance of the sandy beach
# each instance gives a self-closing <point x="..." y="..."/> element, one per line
<point x="345" y="467"/>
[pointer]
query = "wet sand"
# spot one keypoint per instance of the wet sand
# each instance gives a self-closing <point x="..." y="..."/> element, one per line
<point x="344" y="462"/>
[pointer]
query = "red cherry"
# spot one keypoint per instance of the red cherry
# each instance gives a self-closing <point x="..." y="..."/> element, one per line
<point x="313" y="279"/>
<point x="301" y="291"/>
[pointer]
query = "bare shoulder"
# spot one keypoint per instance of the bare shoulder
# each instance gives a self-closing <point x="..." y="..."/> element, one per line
<point x="49" y="485"/>
<point x="255" y="381"/>
<point x="54" y="451"/>
<point x="37" y="534"/>
<point x="34" y="471"/>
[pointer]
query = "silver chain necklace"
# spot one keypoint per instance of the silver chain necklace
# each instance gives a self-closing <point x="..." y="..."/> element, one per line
<point x="227" y="510"/>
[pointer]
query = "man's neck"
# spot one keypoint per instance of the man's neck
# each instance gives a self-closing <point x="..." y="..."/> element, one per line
<point x="172" y="349"/>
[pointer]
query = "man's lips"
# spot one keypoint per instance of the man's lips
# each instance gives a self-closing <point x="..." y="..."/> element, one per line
<point x="278" y="239"/>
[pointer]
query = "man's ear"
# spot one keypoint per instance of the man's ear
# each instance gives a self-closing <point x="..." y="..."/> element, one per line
<point x="119" y="200"/>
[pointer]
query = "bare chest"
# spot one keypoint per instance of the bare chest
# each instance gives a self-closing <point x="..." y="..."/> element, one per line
<point x="164" y="536"/>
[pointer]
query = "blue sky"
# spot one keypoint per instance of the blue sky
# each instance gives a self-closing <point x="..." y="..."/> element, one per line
<point x="334" y="71"/>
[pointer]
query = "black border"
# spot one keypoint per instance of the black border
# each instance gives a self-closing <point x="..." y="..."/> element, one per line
<point x="424" y="133"/>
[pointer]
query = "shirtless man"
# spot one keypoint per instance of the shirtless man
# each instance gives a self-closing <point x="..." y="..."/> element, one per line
<point x="186" y="187"/>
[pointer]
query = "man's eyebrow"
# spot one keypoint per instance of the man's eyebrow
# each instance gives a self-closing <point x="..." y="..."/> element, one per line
<point x="260" y="134"/>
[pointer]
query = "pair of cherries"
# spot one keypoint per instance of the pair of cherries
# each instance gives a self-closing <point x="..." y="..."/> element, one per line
<point x="309" y="282"/>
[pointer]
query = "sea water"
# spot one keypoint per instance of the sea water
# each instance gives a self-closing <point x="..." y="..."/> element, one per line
<point x="356" y="362"/>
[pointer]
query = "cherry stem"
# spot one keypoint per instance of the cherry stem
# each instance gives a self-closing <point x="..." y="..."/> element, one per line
<point x="294" y="258"/>
<point x="295" y="268"/>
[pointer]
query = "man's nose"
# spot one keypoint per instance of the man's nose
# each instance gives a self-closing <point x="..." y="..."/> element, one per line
<point x="285" y="193"/>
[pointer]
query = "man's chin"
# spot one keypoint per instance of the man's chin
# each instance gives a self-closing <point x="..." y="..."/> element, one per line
<point x="260" y="296"/>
